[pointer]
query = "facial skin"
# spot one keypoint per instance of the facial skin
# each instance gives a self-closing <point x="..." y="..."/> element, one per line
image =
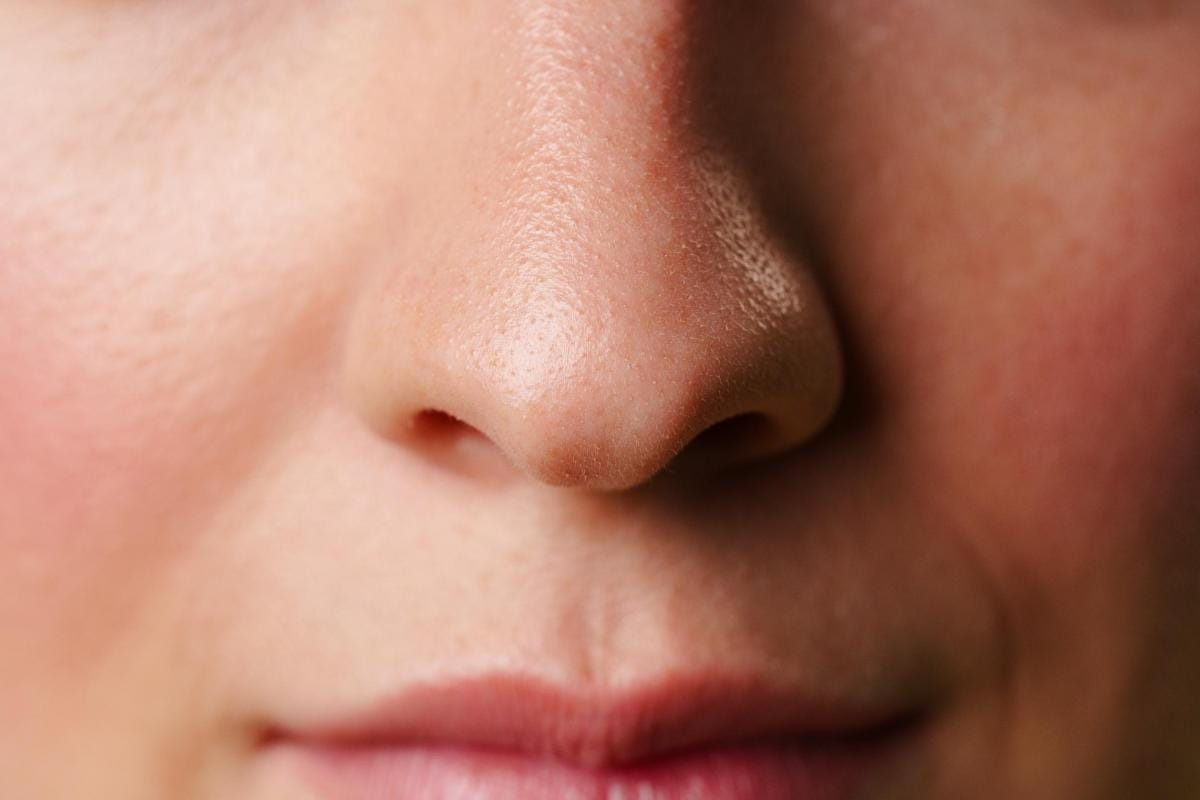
<point x="940" y="258"/>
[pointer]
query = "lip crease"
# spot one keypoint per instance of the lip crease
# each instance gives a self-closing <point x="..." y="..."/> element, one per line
<point x="691" y="738"/>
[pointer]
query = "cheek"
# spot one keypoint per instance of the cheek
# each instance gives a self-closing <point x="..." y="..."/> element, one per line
<point x="1032" y="319"/>
<point x="1077" y="430"/>
<point x="1030" y="296"/>
<point x="168" y="297"/>
<point x="1020" y="287"/>
<point x="1079" y="381"/>
<point x="111" y="433"/>
<point x="140" y="389"/>
<point x="1072" y="454"/>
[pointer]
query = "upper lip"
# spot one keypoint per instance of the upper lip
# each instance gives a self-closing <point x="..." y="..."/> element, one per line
<point x="606" y="728"/>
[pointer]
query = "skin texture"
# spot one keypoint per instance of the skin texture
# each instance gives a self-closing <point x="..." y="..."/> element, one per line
<point x="941" y="260"/>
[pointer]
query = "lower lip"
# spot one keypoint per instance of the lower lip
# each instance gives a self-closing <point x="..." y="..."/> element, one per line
<point x="768" y="772"/>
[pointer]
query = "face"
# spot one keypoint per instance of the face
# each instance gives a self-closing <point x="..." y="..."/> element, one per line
<point x="392" y="381"/>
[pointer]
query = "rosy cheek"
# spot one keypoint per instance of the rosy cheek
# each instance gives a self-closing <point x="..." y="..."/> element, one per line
<point x="127" y="419"/>
<point x="92" y="476"/>
<point x="1074" y="437"/>
<point x="1089" y="412"/>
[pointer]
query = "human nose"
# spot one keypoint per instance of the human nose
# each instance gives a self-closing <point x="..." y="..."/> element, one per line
<point x="613" y="300"/>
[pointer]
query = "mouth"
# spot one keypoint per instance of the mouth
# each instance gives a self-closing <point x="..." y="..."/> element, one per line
<point x="694" y="738"/>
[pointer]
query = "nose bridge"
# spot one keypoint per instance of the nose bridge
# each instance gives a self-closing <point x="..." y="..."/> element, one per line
<point x="566" y="147"/>
<point x="579" y="64"/>
<point x="598" y="112"/>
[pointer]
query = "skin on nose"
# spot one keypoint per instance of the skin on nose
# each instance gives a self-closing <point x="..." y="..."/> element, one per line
<point x="614" y="300"/>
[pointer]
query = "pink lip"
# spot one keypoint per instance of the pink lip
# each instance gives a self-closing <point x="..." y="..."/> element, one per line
<point x="506" y="737"/>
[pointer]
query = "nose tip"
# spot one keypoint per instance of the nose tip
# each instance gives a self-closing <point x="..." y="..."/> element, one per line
<point x="627" y="414"/>
<point x="621" y="452"/>
<point x="603" y="375"/>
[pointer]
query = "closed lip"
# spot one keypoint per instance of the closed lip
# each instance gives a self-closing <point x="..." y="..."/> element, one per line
<point x="508" y="736"/>
<point x="606" y="728"/>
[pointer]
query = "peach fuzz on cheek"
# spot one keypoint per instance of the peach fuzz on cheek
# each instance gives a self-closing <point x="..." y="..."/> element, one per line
<point x="124" y="425"/>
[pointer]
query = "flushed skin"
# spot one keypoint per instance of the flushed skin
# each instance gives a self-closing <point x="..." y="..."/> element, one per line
<point x="943" y="256"/>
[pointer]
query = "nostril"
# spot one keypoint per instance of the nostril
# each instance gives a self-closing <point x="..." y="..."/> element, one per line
<point x="736" y="438"/>
<point x="434" y="427"/>
<point x="456" y="445"/>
